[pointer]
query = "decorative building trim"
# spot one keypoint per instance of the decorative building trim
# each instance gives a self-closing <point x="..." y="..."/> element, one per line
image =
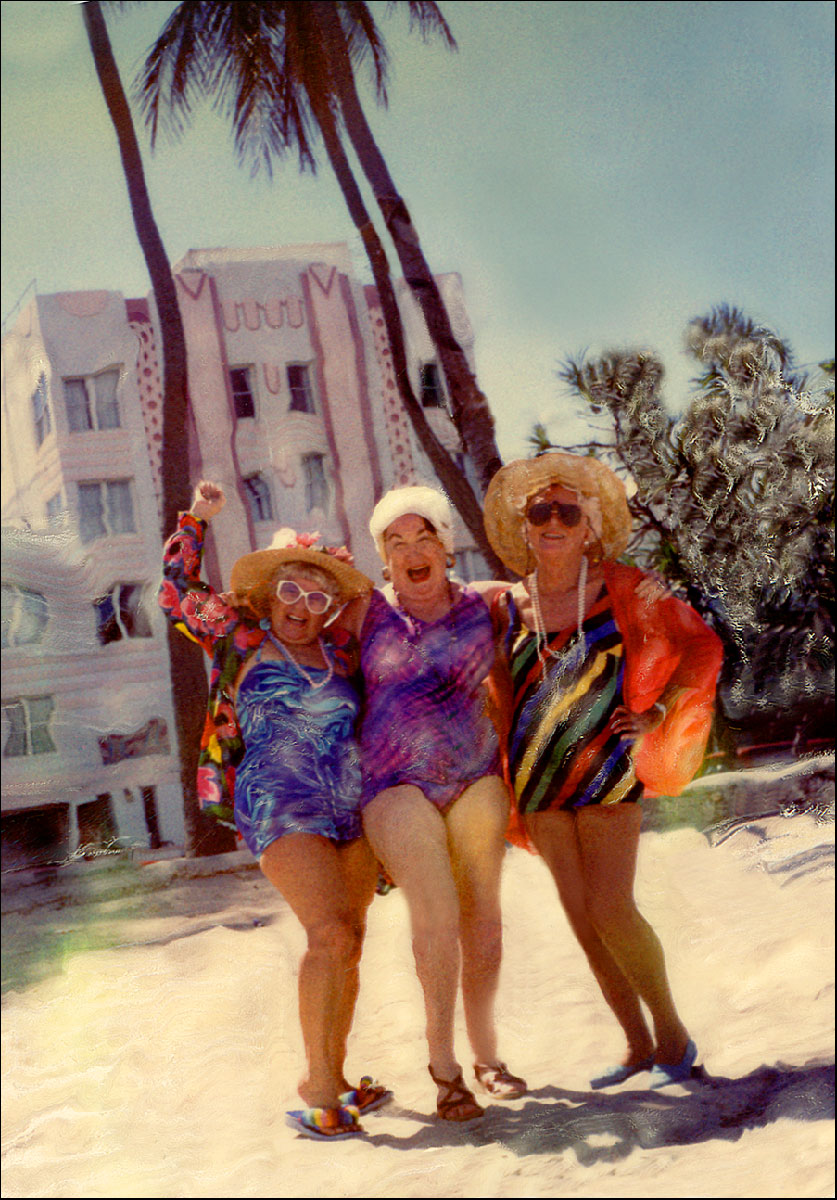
<point x="363" y="377"/>
<point x="317" y="347"/>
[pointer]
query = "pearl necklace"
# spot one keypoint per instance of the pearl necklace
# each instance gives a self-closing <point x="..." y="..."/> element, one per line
<point x="283" y="649"/>
<point x="544" y="649"/>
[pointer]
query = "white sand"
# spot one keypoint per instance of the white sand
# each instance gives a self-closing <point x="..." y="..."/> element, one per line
<point x="165" y="1069"/>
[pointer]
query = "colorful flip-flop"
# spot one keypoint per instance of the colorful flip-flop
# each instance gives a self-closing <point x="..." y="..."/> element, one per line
<point x="326" y="1124"/>
<point x="367" y="1096"/>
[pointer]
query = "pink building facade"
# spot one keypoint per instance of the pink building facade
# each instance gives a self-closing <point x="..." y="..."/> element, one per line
<point x="295" y="412"/>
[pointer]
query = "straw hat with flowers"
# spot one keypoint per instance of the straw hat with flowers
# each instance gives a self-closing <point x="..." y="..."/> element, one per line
<point x="253" y="578"/>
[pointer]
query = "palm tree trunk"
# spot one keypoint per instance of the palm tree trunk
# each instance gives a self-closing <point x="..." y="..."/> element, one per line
<point x="471" y="412"/>
<point x="450" y="476"/>
<point x="188" y="677"/>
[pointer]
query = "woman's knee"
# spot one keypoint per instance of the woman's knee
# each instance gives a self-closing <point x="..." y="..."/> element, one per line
<point x="614" y="917"/>
<point x="482" y="940"/>
<point x="337" y="938"/>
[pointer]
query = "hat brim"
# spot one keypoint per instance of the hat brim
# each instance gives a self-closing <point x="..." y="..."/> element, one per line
<point x="515" y="484"/>
<point x="254" y="570"/>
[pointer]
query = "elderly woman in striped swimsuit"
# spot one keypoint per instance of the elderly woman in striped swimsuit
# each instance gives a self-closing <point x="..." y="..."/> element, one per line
<point x="611" y="689"/>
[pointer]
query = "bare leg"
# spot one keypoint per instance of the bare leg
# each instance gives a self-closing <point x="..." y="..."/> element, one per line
<point x="307" y="871"/>
<point x="555" y="837"/>
<point x="359" y="871"/>
<point x="409" y="836"/>
<point x="608" y="837"/>
<point x="476" y="826"/>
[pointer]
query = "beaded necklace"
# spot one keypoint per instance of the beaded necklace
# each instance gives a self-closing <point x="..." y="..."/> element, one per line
<point x="283" y="649"/>
<point x="544" y="649"/>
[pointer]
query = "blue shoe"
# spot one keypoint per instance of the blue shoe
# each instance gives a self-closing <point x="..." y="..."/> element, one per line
<point x="613" y="1075"/>
<point x="663" y="1074"/>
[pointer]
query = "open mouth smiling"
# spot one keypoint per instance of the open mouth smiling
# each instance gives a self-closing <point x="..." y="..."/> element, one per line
<point x="418" y="574"/>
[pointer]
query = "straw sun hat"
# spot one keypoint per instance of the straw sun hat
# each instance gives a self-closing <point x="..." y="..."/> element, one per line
<point x="253" y="575"/>
<point x="601" y="497"/>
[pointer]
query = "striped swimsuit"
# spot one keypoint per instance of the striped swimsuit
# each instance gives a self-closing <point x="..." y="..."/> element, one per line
<point x="562" y="755"/>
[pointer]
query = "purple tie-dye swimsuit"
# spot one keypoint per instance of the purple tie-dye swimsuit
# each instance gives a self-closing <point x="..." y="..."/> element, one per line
<point x="425" y="719"/>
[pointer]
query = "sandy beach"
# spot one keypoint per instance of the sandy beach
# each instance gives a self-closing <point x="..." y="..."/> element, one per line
<point x="151" y="1045"/>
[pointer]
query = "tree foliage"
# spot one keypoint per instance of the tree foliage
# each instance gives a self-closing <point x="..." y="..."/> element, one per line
<point x="734" y="499"/>
<point x="283" y="73"/>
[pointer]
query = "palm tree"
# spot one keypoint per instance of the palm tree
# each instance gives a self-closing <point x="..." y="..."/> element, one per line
<point x="188" y="677"/>
<point x="270" y="68"/>
<point x="471" y="413"/>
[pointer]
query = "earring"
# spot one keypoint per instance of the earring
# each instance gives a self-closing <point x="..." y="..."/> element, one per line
<point x="385" y="572"/>
<point x="451" y="561"/>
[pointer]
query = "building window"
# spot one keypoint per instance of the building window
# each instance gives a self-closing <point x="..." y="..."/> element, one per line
<point x="316" y="488"/>
<point x="54" y="510"/>
<point x="105" y="508"/>
<point x="27" y="720"/>
<point x="96" y="826"/>
<point x="40" y="411"/>
<point x="24" y="616"/>
<point x="152" y="820"/>
<point x="244" y="403"/>
<point x="258" y="497"/>
<point x="299" y="385"/>
<point x="432" y="395"/>
<point x="92" y="402"/>
<point x="121" y="613"/>
<point x="152" y="738"/>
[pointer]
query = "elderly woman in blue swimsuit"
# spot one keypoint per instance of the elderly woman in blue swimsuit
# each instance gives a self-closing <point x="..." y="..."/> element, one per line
<point x="280" y="737"/>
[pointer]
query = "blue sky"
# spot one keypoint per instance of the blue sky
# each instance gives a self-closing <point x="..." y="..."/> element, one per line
<point x="597" y="172"/>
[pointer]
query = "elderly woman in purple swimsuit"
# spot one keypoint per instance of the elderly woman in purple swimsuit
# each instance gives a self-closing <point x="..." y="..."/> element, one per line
<point x="435" y="807"/>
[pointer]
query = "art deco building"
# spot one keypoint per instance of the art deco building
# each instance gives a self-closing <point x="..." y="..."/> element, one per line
<point x="294" y="411"/>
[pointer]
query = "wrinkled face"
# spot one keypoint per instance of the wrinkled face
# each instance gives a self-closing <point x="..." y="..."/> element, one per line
<point x="416" y="558"/>
<point x="294" y="622"/>
<point x="558" y="537"/>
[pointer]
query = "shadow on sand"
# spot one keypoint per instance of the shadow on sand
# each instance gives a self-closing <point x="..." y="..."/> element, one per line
<point x="605" y="1127"/>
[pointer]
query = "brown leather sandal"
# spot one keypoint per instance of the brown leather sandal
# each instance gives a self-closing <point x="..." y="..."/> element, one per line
<point x="498" y="1081"/>
<point x="456" y="1096"/>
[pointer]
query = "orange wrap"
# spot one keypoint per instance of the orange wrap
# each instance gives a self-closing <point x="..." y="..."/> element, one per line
<point x="666" y="642"/>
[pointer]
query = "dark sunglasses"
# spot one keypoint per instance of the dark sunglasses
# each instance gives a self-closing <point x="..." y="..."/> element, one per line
<point x="316" y="602"/>
<point x="567" y="514"/>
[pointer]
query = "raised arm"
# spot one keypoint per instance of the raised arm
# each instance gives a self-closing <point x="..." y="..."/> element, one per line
<point x="187" y="600"/>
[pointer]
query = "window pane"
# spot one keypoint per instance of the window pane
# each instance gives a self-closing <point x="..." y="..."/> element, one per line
<point x="31" y="618"/>
<point x="243" y="402"/>
<point x="316" y="490"/>
<point x="78" y="406"/>
<point x="16" y="740"/>
<point x="8" y="612"/>
<point x="107" y="408"/>
<point x="302" y="399"/>
<point x="258" y="495"/>
<point x="120" y="506"/>
<point x="431" y="392"/>
<point x="132" y="612"/>
<point x="107" y="626"/>
<point x="40" y="712"/>
<point x="53" y="509"/>
<point x="91" y="516"/>
<point x="40" y="410"/>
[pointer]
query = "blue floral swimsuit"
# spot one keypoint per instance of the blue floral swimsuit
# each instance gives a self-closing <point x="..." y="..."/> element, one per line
<point x="301" y="770"/>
